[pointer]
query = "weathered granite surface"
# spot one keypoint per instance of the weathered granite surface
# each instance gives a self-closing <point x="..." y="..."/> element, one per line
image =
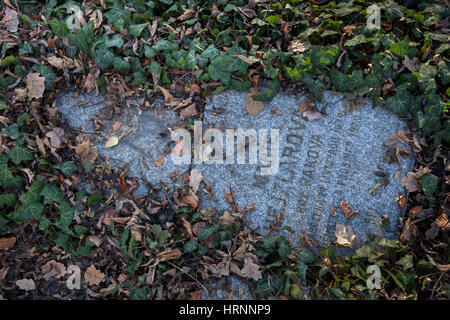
<point x="322" y="163"/>
<point x="143" y="137"/>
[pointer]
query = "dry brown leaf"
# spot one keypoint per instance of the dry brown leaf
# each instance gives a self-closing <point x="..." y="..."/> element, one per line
<point x="168" y="98"/>
<point x="312" y="115"/>
<point x="35" y="85"/>
<point x="116" y="126"/>
<point x="188" y="112"/>
<point x="442" y="222"/>
<point x="188" y="14"/>
<point x="169" y="254"/>
<point x="240" y="252"/>
<point x="195" y="178"/>
<point x="86" y="151"/>
<point x="190" y="201"/>
<point x="6" y="243"/>
<point x="26" y="284"/>
<point x="226" y="218"/>
<point x="159" y="161"/>
<point x="253" y="107"/>
<point x="53" y="269"/>
<point x="55" y="137"/>
<point x="251" y="268"/>
<point x="345" y="235"/>
<point x="93" y="276"/>
<point x="96" y="240"/>
<point x="410" y="182"/>
<point x="10" y="20"/>
<point x="196" y="295"/>
<point x="111" y="142"/>
<point x="230" y="196"/>
<point x="415" y="210"/>
<point x="402" y="202"/>
<point x="191" y="88"/>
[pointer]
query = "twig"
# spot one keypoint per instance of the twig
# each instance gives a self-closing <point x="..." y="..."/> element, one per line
<point x="189" y="276"/>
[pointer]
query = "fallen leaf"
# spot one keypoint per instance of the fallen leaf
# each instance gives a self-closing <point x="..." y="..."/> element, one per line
<point x="442" y="222"/>
<point x="111" y="142"/>
<point x="251" y="268"/>
<point x="93" y="276"/>
<point x="240" y="252"/>
<point x="299" y="46"/>
<point x="26" y="284"/>
<point x="35" y="85"/>
<point x="86" y="151"/>
<point x="348" y="212"/>
<point x="6" y="243"/>
<point x="345" y="235"/>
<point x="188" y="112"/>
<point x="159" y="161"/>
<point x="402" y="202"/>
<point x="226" y="219"/>
<point x="192" y="87"/>
<point x="96" y="240"/>
<point x="188" y="14"/>
<point x="312" y="115"/>
<point x="411" y="64"/>
<point x="55" y="137"/>
<point x="195" y="178"/>
<point x="230" y="196"/>
<point x="190" y="201"/>
<point x="56" y="62"/>
<point x="168" y="98"/>
<point x="196" y="295"/>
<point x="304" y="105"/>
<point x="415" y="210"/>
<point x="53" y="269"/>
<point x="169" y="254"/>
<point x="253" y="107"/>
<point x="10" y="20"/>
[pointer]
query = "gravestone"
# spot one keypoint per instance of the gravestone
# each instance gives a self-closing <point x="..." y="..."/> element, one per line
<point x="338" y="158"/>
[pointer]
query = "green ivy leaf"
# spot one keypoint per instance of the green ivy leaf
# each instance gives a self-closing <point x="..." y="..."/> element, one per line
<point x="406" y="261"/>
<point x="136" y="29"/>
<point x="12" y="131"/>
<point x="401" y="102"/>
<point x="104" y="58"/>
<point x="429" y="184"/>
<point x="67" y="168"/>
<point x="204" y="233"/>
<point x="67" y="212"/>
<point x="120" y="65"/>
<point x="190" y="245"/>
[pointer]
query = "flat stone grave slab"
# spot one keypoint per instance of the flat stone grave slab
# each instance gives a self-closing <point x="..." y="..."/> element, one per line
<point x="338" y="158"/>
